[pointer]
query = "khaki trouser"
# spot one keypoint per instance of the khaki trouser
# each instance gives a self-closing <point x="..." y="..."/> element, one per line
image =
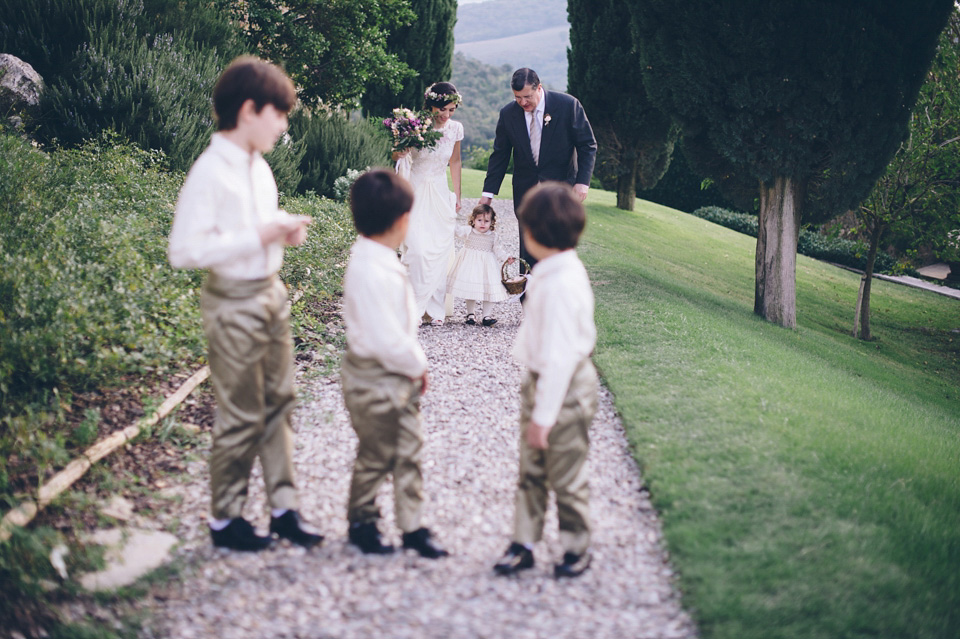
<point x="562" y="466"/>
<point x="385" y="413"/>
<point x="247" y="324"/>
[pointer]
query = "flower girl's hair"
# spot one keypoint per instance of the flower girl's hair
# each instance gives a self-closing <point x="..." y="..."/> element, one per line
<point x="483" y="209"/>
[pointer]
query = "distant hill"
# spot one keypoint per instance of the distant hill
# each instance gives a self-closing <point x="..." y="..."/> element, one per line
<point x="532" y="33"/>
<point x="485" y="89"/>
<point x="503" y="18"/>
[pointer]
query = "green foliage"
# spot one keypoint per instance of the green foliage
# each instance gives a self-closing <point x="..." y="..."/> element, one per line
<point x="426" y="46"/>
<point x="810" y="243"/>
<point x="485" y="90"/>
<point x="48" y="33"/>
<point x="85" y="291"/>
<point x="23" y="563"/>
<point x="284" y="161"/>
<point x="680" y="188"/>
<point x="635" y="139"/>
<point x="819" y="92"/>
<point x="144" y="68"/>
<point x="156" y="93"/>
<point x="342" y="185"/>
<point x="332" y="50"/>
<point x="334" y="144"/>
<point x="917" y="200"/>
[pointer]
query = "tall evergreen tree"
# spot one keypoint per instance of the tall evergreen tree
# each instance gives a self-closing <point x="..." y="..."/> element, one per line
<point x="635" y="138"/>
<point x="426" y="46"/>
<point x="800" y="101"/>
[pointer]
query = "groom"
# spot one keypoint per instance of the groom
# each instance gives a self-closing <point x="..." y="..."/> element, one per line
<point x="550" y="137"/>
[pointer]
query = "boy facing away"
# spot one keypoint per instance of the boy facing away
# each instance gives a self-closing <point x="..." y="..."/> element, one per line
<point x="559" y="392"/>
<point x="228" y="221"/>
<point x="384" y="370"/>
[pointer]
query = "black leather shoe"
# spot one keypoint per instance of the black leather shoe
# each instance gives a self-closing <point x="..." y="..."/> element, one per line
<point x="366" y="537"/>
<point x="471" y="319"/>
<point x="573" y="565"/>
<point x="517" y="558"/>
<point x="239" y="535"/>
<point x="289" y="526"/>
<point x="421" y="541"/>
<point x="489" y="321"/>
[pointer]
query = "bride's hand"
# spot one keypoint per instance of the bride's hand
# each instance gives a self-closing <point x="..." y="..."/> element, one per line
<point x="458" y="205"/>
<point x="396" y="155"/>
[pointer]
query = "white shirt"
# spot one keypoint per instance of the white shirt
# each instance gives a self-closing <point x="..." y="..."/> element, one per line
<point x="379" y="310"/>
<point x="557" y="331"/>
<point x="227" y="195"/>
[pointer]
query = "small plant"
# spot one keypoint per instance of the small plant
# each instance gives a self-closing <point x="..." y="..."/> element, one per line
<point x="86" y="431"/>
<point x="341" y="186"/>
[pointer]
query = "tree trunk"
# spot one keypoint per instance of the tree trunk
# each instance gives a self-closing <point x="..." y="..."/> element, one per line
<point x="868" y="278"/>
<point x="627" y="187"/>
<point x="775" y="296"/>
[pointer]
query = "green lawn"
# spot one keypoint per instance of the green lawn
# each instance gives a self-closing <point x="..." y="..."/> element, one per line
<point x="808" y="482"/>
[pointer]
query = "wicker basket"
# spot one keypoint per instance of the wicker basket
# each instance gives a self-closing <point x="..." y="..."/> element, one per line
<point x="515" y="285"/>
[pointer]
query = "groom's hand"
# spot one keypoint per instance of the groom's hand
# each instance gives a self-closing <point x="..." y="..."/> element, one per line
<point x="486" y="200"/>
<point x="581" y="191"/>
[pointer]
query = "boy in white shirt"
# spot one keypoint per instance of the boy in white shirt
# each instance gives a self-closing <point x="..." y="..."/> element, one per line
<point x="384" y="370"/>
<point x="559" y="392"/>
<point x="228" y="221"/>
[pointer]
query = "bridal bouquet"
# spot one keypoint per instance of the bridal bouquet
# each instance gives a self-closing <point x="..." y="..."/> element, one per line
<point x="411" y="130"/>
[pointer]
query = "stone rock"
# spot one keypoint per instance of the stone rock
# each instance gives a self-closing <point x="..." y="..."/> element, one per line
<point x="20" y="85"/>
<point x="130" y="555"/>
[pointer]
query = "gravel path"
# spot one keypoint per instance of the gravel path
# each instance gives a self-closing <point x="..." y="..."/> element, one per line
<point x="470" y="468"/>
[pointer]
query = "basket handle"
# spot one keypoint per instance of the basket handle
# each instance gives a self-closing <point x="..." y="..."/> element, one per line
<point x="503" y="268"/>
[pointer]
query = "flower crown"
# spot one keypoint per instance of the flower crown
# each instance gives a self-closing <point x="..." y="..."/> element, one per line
<point x="454" y="97"/>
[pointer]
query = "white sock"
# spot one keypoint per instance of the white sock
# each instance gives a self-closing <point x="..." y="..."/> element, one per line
<point x="488" y="309"/>
<point x="471" y="306"/>
<point x="219" y="524"/>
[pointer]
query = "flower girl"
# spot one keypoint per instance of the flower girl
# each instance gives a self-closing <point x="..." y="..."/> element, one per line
<point x="475" y="274"/>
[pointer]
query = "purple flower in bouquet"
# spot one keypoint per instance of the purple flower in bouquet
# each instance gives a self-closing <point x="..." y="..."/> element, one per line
<point x="411" y="130"/>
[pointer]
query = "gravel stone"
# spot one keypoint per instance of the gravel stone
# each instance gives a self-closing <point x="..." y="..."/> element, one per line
<point x="470" y="458"/>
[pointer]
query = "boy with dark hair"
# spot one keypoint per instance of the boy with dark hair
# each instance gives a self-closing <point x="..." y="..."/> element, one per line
<point x="384" y="370"/>
<point x="559" y="392"/>
<point x="228" y="221"/>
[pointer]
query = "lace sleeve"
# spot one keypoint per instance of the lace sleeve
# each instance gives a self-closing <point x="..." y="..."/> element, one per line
<point x="457" y="130"/>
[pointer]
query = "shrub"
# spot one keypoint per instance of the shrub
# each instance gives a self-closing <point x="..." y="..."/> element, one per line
<point x="333" y="145"/>
<point x="284" y="161"/>
<point x="342" y="185"/>
<point x="157" y="93"/>
<point x="144" y="68"/>
<point x="810" y="243"/>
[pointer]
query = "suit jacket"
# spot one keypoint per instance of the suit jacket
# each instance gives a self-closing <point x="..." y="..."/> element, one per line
<point x="568" y="150"/>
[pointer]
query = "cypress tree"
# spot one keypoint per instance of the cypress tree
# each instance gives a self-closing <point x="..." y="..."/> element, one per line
<point x="802" y="102"/>
<point x="635" y="138"/>
<point x="426" y="46"/>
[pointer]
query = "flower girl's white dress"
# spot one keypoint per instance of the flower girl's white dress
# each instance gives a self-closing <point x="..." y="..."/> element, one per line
<point x="475" y="274"/>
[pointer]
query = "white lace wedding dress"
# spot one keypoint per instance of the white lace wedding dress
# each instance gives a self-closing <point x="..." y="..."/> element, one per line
<point x="428" y="249"/>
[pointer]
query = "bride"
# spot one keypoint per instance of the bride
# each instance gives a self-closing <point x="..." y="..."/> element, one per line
<point x="429" y="244"/>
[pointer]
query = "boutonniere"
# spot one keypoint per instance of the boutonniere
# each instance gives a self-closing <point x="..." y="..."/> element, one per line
<point x="546" y="119"/>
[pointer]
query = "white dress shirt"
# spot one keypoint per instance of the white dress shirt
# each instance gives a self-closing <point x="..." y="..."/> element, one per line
<point x="229" y="193"/>
<point x="557" y="331"/>
<point x="379" y="310"/>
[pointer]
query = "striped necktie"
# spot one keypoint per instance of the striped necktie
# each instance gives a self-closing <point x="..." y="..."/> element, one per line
<point x="535" y="137"/>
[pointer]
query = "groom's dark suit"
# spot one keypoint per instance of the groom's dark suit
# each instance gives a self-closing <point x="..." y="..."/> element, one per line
<point x="568" y="149"/>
